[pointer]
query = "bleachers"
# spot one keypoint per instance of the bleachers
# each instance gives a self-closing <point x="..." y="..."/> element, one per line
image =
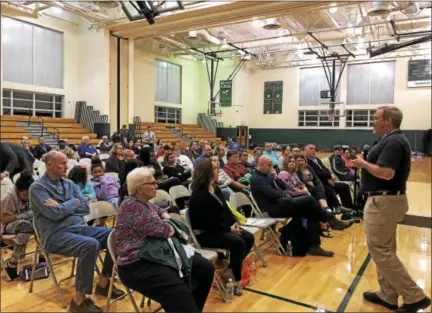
<point x="13" y="128"/>
<point x="166" y="132"/>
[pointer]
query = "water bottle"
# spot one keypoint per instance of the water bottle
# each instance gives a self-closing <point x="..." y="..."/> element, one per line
<point x="229" y="290"/>
<point x="289" y="249"/>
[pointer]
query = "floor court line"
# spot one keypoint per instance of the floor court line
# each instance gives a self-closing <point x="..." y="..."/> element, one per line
<point x="418" y="221"/>
<point x="287" y="300"/>
<point x="354" y="285"/>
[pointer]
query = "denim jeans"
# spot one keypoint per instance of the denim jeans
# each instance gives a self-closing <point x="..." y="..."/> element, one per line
<point x="84" y="244"/>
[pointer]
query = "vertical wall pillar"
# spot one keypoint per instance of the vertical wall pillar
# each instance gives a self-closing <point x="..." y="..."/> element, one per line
<point x="131" y="51"/>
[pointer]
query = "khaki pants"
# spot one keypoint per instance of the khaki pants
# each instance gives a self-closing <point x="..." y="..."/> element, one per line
<point x="381" y="216"/>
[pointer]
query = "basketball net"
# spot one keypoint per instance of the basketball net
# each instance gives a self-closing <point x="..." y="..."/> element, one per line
<point x="331" y="114"/>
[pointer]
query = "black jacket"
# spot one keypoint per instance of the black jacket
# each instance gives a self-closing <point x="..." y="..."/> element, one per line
<point x="338" y="166"/>
<point x="176" y="171"/>
<point x="39" y="151"/>
<point x="208" y="214"/>
<point x="320" y="170"/>
<point x="15" y="159"/>
<point x="113" y="165"/>
<point x="267" y="190"/>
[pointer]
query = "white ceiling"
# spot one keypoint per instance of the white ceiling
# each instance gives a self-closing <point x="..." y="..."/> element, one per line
<point x="345" y="22"/>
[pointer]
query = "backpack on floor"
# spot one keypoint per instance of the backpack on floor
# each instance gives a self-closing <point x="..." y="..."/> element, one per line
<point x="42" y="272"/>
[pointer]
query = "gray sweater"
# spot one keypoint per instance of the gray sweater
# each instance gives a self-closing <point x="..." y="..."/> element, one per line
<point x="11" y="204"/>
<point x="67" y="216"/>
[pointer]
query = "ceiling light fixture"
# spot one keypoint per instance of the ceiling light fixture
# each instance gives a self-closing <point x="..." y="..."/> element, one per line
<point x="334" y="8"/>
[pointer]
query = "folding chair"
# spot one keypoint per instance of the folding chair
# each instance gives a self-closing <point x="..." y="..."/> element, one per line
<point x="177" y="192"/>
<point x="8" y="241"/>
<point x="15" y="178"/>
<point x="161" y="196"/>
<point x="6" y="184"/>
<point x="209" y="254"/>
<point x="71" y="163"/>
<point x="264" y="223"/>
<point x="99" y="209"/>
<point x="41" y="250"/>
<point x="112" y="252"/>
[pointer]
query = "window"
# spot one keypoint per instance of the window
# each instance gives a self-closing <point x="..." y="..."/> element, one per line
<point x="315" y="118"/>
<point x="371" y="83"/>
<point x="359" y="118"/>
<point x="168" y="82"/>
<point x="167" y="115"/>
<point x="312" y="82"/>
<point x="32" y="55"/>
<point x="37" y="104"/>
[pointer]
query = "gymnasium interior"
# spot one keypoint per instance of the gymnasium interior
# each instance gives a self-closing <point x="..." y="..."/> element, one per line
<point x="285" y="73"/>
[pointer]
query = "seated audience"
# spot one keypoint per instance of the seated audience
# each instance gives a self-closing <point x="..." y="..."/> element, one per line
<point x="312" y="182"/>
<point x="173" y="169"/>
<point x="223" y="181"/>
<point x="212" y="218"/>
<point x="78" y="174"/>
<point x="244" y="161"/>
<point x="233" y="168"/>
<point x="128" y="155"/>
<point x="26" y="144"/>
<point x="220" y="152"/>
<point x="14" y="159"/>
<point x="286" y="152"/>
<point x="346" y="157"/>
<point x="115" y="162"/>
<point x="339" y="167"/>
<point x="140" y="223"/>
<point x="104" y="146"/>
<point x="161" y="153"/>
<point x="257" y="153"/>
<point x="147" y="157"/>
<point x="137" y="146"/>
<point x="129" y="167"/>
<point x="327" y="179"/>
<point x="41" y="148"/>
<point x="58" y="207"/>
<point x="183" y="160"/>
<point x="296" y="151"/>
<point x="268" y="151"/>
<point x="271" y="197"/>
<point x="232" y="145"/>
<point x="206" y="153"/>
<point x="86" y="150"/>
<point x="159" y="145"/>
<point x="124" y="134"/>
<point x="106" y="187"/>
<point x="201" y="144"/>
<point x="17" y="219"/>
<point x="70" y="145"/>
<point x="193" y="152"/>
<point x="295" y="187"/>
<point x="67" y="151"/>
<point x="149" y="137"/>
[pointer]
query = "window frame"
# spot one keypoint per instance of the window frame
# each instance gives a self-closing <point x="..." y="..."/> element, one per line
<point x="317" y="120"/>
<point x="350" y="118"/>
<point x="177" y="112"/>
<point x="34" y="110"/>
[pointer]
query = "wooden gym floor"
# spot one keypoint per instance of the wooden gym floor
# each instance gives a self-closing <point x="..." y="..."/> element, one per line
<point x="309" y="284"/>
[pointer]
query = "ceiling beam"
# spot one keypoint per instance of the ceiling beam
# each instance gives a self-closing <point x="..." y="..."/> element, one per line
<point x="222" y="15"/>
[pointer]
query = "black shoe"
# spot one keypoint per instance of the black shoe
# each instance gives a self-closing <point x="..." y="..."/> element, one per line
<point x="373" y="297"/>
<point x="11" y="272"/>
<point x="103" y="291"/>
<point x="414" y="307"/>
<point x="318" y="251"/>
<point x="87" y="305"/>
<point x="337" y="224"/>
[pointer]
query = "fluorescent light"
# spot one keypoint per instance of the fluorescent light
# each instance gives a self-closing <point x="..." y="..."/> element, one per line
<point x="6" y="38"/>
<point x="334" y="8"/>
<point x="56" y="10"/>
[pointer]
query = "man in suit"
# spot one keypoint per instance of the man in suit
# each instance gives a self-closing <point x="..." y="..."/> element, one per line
<point x="331" y="186"/>
<point x="41" y="148"/>
<point x="14" y="159"/>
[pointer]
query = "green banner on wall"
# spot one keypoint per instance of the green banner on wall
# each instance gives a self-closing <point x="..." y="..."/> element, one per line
<point x="273" y="92"/>
<point x="225" y="95"/>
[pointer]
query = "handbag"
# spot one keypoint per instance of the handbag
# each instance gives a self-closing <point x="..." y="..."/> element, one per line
<point x="41" y="272"/>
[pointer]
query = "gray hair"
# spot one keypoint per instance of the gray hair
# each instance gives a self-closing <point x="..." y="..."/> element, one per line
<point x="263" y="159"/>
<point x="137" y="178"/>
<point x="85" y="137"/>
<point x="394" y="113"/>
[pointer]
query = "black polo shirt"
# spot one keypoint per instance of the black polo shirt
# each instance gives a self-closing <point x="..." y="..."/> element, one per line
<point x="392" y="151"/>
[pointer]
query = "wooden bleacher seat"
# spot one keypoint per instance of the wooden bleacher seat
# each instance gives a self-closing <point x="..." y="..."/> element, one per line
<point x="11" y="129"/>
<point x="68" y="130"/>
<point x="23" y="118"/>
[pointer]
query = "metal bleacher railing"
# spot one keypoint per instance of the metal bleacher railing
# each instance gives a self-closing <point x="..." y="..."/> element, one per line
<point x="137" y="123"/>
<point x="84" y="114"/>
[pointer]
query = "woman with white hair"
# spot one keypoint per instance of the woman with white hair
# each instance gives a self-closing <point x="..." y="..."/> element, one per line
<point x="140" y="222"/>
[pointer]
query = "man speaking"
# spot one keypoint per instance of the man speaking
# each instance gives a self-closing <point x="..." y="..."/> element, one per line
<point x="383" y="181"/>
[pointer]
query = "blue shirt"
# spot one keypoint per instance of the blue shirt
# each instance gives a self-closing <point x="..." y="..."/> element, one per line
<point x="65" y="217"/>
<point x="273" y="156"/>
<point x="195" y="163"/>
<point x="82" y="149"/>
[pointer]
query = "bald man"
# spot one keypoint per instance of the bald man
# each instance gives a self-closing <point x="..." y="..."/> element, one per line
<point x="58" y="207"/>
<point x="269" y="192"/>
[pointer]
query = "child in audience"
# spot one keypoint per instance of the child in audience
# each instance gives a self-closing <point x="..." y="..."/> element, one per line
<point x="17" y="219"/>
<point x="106" y="187"/>
<point x="78" y="174"/>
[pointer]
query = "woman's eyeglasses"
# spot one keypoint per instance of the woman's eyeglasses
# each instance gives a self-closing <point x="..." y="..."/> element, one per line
<point x="152" y="183"/>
